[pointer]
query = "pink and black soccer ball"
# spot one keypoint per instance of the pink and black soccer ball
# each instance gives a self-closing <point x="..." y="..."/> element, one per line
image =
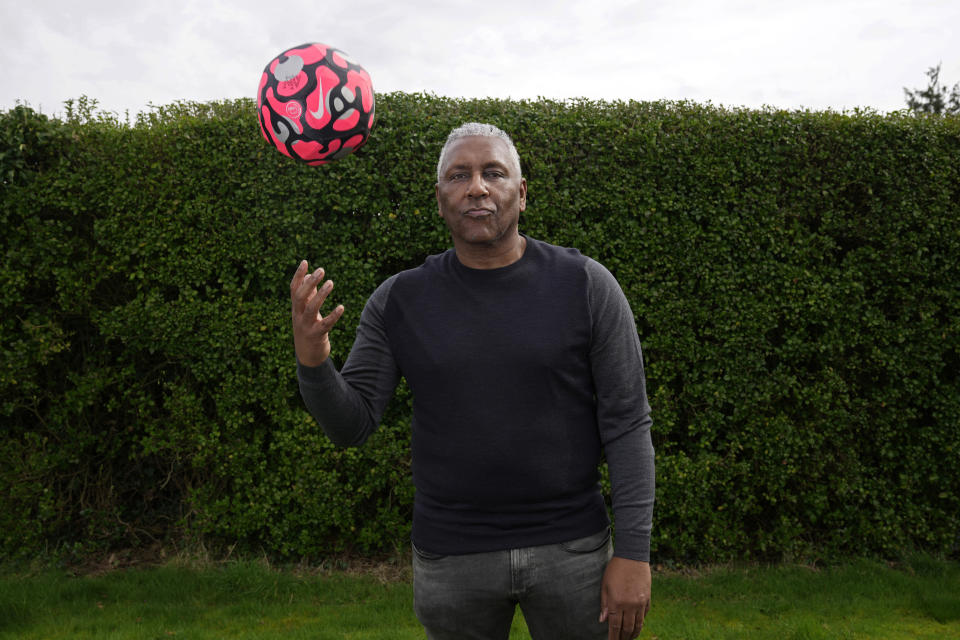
<point x="315" y="103"/>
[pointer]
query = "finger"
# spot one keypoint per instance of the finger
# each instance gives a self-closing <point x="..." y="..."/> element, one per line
<point x="312" y="308"/>
<point x="298" y="277"/>
<point x="331" y="319"/>
<point x="642" y="617"/>
<point x="615" y="622"/>
<point x="306" y="290"/>
<point x="627" y="625"/>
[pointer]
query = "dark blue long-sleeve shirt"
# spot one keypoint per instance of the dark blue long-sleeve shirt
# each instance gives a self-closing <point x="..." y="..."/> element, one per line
<point x="520" y="377"/>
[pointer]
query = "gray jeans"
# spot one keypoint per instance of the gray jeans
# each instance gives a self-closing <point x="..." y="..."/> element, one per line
<point x="474" y="597"/>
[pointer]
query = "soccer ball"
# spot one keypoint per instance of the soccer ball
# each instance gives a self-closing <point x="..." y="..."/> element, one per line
<point x="315" y="103"/>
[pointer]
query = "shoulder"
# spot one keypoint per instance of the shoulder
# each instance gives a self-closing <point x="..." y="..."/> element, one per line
<point x="382" y="292"/>
<point x="606" y="299"/>
<point x="410" y="281"/>
<point x="432" y="264"/>
<point x="554" y="253"/>
<point x="597" y="276"/>
<point x="564" y="266"/>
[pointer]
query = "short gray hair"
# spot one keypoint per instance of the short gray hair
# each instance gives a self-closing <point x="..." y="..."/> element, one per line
<point x="477" y="129"/>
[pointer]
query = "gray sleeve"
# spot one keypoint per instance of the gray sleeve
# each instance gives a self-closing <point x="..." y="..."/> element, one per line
<point x="349" y="404"/>
<point x="623" y="413"/>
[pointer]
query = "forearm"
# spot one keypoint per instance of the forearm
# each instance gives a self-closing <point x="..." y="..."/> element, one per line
<point x="633" y="481"/>
<point x="348" y="404"/>
<point x="339" y="409"/>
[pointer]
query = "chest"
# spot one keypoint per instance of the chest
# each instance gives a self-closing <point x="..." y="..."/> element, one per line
<point x="449" y="330"/>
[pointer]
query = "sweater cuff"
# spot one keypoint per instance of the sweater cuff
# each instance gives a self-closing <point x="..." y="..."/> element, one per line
<point x="632" y="547"/>
<point x="318" y="376"/>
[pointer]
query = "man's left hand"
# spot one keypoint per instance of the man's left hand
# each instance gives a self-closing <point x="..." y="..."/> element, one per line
<point x="625" y="597"/>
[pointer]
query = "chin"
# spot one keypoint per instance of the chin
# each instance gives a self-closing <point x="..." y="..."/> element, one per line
<point x="482" y="238"/>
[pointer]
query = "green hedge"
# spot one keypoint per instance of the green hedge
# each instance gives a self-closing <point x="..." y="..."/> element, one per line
<point x="794" y="277"/>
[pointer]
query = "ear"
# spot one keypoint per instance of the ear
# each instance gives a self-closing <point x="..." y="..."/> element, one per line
<point x="437" y="190"/>
<point x="523" y="194"/>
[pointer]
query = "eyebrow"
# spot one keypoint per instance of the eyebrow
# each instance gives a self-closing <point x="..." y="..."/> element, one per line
<point x="490" y="165"/>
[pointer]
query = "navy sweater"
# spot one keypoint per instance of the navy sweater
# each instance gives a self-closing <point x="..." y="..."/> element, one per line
<point x="520" y="376"/>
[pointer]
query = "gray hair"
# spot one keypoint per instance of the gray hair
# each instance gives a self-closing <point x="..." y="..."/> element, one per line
<point x="477" y="129"/>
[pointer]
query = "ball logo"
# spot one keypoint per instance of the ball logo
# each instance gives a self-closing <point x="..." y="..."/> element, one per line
<point x="294" y="109"/>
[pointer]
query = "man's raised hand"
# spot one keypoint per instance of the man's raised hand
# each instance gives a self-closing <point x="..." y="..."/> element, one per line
<point x="311" y="331"/>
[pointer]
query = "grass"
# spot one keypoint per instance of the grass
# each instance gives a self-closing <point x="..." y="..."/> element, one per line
<point x="861" y="599"/>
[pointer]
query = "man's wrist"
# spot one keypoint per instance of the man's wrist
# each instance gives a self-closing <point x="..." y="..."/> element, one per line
<point x="632" y="547"/>
<point x="314" y="375"/>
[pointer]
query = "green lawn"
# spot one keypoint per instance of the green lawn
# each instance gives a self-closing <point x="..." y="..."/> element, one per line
<point x="861" y="599"/>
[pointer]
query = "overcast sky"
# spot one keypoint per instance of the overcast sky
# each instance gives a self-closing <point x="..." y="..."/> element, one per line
<point x="793" y="54"/>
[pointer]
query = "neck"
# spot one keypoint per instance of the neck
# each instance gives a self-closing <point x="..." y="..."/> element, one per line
<point x="491" y="256"/>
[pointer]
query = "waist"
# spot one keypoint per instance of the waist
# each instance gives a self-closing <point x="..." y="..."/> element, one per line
<point x="454" y="528"/>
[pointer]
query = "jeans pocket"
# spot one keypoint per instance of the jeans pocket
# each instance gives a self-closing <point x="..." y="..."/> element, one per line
<point x="588" y="544"/>
<point x="426" y="556"/>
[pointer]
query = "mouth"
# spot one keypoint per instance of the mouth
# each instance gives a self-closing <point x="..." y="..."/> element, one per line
<point x="477" y="213"/>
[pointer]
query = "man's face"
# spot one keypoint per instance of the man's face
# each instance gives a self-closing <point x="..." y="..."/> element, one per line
<point x="480" y="193"/>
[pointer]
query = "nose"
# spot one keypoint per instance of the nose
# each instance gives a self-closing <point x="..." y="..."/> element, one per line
<point x="477" y="187"/>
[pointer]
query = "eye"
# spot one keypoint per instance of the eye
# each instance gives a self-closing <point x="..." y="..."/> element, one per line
<point x="493" y="174"/>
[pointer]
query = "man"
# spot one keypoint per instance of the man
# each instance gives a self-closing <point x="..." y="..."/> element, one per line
<point x="524" y="363"/>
